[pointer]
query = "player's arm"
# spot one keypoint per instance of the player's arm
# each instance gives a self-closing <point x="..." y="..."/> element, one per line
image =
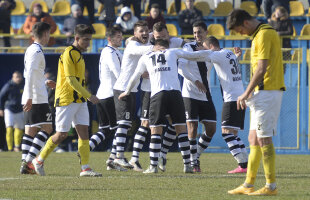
<point x="134" y="79"/>
<point x="138" y="50"/>
<point x="201" y="55"/>
<point x="238" y="52"/>
<point x="258" y="75"/>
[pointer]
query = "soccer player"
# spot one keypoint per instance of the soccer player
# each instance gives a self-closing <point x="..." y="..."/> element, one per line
<point x="70" y="101"/>
<point x="125" y="108"/>
<point x="166" y="98"/>
<point x="37" y="115"/>
<point x="263" y="95"/>
<point x="160" y="31"/>
<point x="12" y="110"/>
<point x="226" y="65"/>
<point x="109" y="70"/>
<point x="198" y="106"/>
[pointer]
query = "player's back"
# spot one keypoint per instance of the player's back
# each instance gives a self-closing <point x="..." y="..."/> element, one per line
<point x="163" y="70"/>
<point x="229" y="73"/>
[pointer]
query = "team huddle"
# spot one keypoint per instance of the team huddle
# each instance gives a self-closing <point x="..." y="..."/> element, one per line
<point x="158" y="59"/>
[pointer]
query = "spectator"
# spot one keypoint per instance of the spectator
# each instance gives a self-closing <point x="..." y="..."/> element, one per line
<point x="6" y="6"/>
<point x="136" y="6"/>
<point x="281" y="22"/>
<point x="126" y="21"/>
<point x="188" y="16"/>
<point x="270" y="5"/>
<point x="38" y="15"/>
<point x="155" y="16"/>
<point x="108" y="14"/>
<point x="71" y="22"/>
<point x="161" y="4"/>
<point x="90" y="5"/>
<point x="12" y="110"/>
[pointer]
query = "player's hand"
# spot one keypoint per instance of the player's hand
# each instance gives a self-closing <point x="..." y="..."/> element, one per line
<point x="51" y="84"/>
<point x="145" y="75"/>
<point x="93" y="99"/>
<point x="201" y="87"/>
<point x="1" y="113"/>
<point x="241" y="101"/>
<point x="122" y="95"/>
<point x="238" y="51"/>
<point x="27" y="107"/>
<point x="200" y="48"/>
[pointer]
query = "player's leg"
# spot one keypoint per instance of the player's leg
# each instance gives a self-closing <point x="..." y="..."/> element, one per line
<point x="142" y="131"/>
<point x="30" y="132"/>
<point x="44" y="114"/>
<point x="9" y="124"/>
<point x="125" y="109"/>
<point x="232" y="121"/>
<point x="19" y="127"/>
<point x="207" y="115"/>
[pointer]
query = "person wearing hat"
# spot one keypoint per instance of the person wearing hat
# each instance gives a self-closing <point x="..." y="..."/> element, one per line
<point x="71" y="22"/>
<point x="38" y="15"/>
<point x="126" y="21"/>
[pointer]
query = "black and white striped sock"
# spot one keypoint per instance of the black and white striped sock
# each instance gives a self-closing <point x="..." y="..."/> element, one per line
<point x="242" y="146"/>
<point x="203" y="143"/>
<point x="139" y="142"/>
<point x="184" y="147"/>
<point x="113" y="150"/>
<point x="26" y="145"/>
<point x="193" y="149"/>
<point x="121" y="134"/>
<point x="235" y="149"/>
<point x="97" y="138"/>
<point x="155" y="146"/>
<point x="244" y="162"/>
<point x="168" y="139"/>
<point x="37" y="144"/>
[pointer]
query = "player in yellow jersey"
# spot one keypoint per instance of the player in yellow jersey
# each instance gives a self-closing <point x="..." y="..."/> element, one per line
<point x="70" y="101"/>
<point x="263" y="95"/>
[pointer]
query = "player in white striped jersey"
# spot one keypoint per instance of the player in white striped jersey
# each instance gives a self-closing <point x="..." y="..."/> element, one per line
<point x="125" y="108"/>
<point x="226" y="65"/>
<point x="198" y="106"/>
<point x="109" y="70"/>
<point x="159" y="32"/>
<point x="166" y="98"/>
<point x="35" y="98"/>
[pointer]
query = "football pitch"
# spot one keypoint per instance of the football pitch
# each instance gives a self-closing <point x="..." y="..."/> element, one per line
<point x="62" y="179"/>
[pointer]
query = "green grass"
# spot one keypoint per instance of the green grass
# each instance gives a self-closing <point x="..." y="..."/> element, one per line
<point x="62" y="181"/>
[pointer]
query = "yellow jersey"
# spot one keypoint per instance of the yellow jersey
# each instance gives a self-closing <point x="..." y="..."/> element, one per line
<point x="266" y="45"/>
<point x="71" y="64"/>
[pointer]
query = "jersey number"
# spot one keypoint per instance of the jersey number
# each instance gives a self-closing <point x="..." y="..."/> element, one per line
<point x="161" y="59"/>
<point x="235" y="70"/>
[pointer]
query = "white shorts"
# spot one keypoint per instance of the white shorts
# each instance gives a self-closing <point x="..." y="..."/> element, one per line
<point x="15" y="120"/>
<point x="75" y="113"/>
<point x="265" y="107"/>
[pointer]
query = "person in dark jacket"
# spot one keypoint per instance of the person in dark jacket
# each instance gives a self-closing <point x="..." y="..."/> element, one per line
<point x="71" y="22"/>
<point x="269" y="7"/>
<point x="281" y="22"/>
<point x="155" y="16"/>
<point x="12" y="110"/>
<point x="108" y="13"/>
<point x="6" y="6"/>
<point x="90" y="5"/>
<point x="188" y="16"/>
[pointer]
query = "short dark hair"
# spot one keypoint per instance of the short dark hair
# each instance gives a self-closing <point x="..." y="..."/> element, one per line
<point x="39" y="28"/>
<point x="155" y="5"/>
<point x="112" y="31"/>
<point x="201" y="24"/>
<point x="159" y="26"/>
<point x="161" y="42"/>
<point x="83" y="29"/>
<point x="140" y="24"/>
<point x="212" y="40"/>
<point x="236" y="18"/>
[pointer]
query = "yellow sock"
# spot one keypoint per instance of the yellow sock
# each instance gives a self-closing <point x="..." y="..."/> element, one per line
<point x="83" y="148"/>
<point x="48" y="148"/>
<point x="18" y="134"/>
<point x="253" y="164"/>
<point x="269" y="163"/>
<point x="9" y="138"/>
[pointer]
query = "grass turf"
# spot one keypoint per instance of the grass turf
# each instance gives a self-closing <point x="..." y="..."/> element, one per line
<point x="62" y="180"/>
